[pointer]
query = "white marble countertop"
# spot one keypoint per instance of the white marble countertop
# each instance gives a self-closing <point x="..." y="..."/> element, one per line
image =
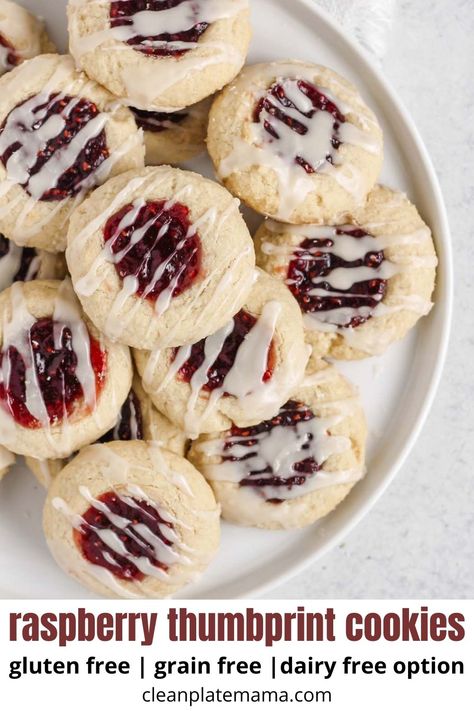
<point x="418" y="540"/>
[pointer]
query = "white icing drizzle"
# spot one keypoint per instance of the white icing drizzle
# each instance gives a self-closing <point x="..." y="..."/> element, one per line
<point x="244" y="381"/>
<point x="174" y="477"/>
<point x="377" y="342"/>
<point x="67" y="314"/>
<point x="133" y="421"/>
<point x="183" y="130"/>
<point x="313" y="144"/>
<point x="227" y="294"/>
<point x="19" y="128"/>
<point x="211" y="221"/>
<point x="156" y="119"/>
<point x="176" y="555"/>
<point x="282" y="448"/>
<point x="152" y="24"/>
<point x="137" y="77"/>
<point x="9" y="265"/>
<point x="33" y="141"/>
<point x="20" y="231"/>
<point x="91" y="282"/>
<point x="352" y="249"/>
<point x="166" y="124"/>
<point x="180" y="18"/>
<point x="80" y="568"/>
<point x="34" y="268"/>
<point x="17" y="334"/>
<point x="46" y="473"/>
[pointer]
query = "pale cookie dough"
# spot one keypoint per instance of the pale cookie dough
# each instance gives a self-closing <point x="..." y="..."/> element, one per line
<point x="61" y="135"/>
<point x="158" y="58"/>
<point x="138" y="419"/>
<point x="131" y="520"/>
<point x="296" y="468"/>
<point x="22" y="36"/>
<point x="27" y="263"/>
<point x="361" y="285"/>
<point x="61" y="383"/>
<point x="7" y="460"/>
<point x="174" y="138"/>
<point x="242" y="373"/>
<point x="295" y="141"/>
<point x="160" y="257"/>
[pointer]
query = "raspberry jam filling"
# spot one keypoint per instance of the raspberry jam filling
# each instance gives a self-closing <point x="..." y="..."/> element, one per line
<point x="218" y="370"/>
<point x="294" y="104"/>
<point x="257" y="441"/>
<point x="26" y="270"/>
<point x="8" y="57"/>
<point x="55" y="363"/>
<point x="144" y="524"/>
<point x="310" y="270"/>
<point x="158" y="121"/>
<point x="166" y="257"/>
<point x="122" y="12"/>
<point x="24" y="126"/>
<point x="130" y="422"/>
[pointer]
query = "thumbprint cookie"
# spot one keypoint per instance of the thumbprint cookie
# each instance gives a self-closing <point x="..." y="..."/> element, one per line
<point x="242" y="373"/>
<point x="27" y="263"/>
<point x="131" y="520"/>
<point x="7" y="460"/>
<point x="22" y="36"/>
<point x="295" y="141"/>
<point x="61" y="384"/>
<point x="138" y="420"/>
<point x="361" y="285"/>
<point x="294" y="468"/>
<point x="160" y="55"/>
<point x="160" y="257"/>
<point x="61" y="135"/>
<point x="174" y="138"/>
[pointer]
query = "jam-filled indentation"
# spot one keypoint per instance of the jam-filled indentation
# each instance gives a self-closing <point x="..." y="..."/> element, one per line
<point x="129" y="424"/>
<point x="41" y="146"/>
<point x="10" y="58"/>
<point x="243" y="323"/>
<point x="290" y="110"/>
<point x="159" y="248"/>
<point x="138" y="529"/>
<point x="309" y="279"/>
<point x="28" y="267"/>
<point x="164" y="44"/>
<point x="52" y="375"/>
<point x="158" y="121"/>
<point x="258" y="458"/>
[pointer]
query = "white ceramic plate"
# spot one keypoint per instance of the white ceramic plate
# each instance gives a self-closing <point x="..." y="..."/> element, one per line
<point x="397" y="389"/>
